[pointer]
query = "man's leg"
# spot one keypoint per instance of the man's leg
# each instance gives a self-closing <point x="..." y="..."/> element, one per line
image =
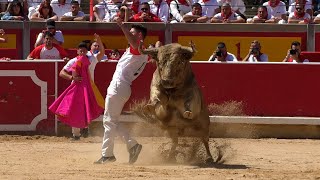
<point x="76" y="133"/>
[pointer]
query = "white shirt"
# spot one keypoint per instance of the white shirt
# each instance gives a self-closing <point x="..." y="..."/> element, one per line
<point x="69" y="14"/>
<point x="101" y="9"/>
<point x="52" y="53"/>
<point x="305" y="17"/>
<point x="235" y="4"/>
<point x="93" y="62"/>
<point x="177" y="10"/>
<point x="276" y="11"/>
<point x="268" y="17"/>
<point x="59" y="9"/>
<point x="263" y="58"/>
<point x="209" y="7"/>
<point x="230" y="57"/>
<point x="292" y="7"/>
<point x="58" y="36"/>
<point x="110" y="11"/>
<point x="233" y="16"/>
<point x="163" y="10"/>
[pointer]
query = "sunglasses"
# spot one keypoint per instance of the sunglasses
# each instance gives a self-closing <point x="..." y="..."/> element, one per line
<point x="144" y="9"/>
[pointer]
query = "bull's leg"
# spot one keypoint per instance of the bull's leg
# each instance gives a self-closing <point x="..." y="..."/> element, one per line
<point x="205" y="141"/>
<point x="174" y="137"/>
<point x="189" y="106"/>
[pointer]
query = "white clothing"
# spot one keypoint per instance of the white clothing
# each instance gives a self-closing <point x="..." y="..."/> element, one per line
<point x="209" y="7"/>
<point x="111" y="11"/>
<point x="276" y="11"/>
<point x="268" y="17"/>
<point x="292" y="7"/>
<point x="93" y="62"/>
<point x="69" y="14"/>
<point x="235" y="5"/>
<point x="52" y="53"/>
<point x="230" y="57"/>
<point x="129" y="67"/>
<point x="190" y="14"/>
<point x="263" y="58"/>
<point x="177" y="11"/>
<point x="59" y="9"/>
<point x="305" y="17"/>
<point x="162" y="13"/>
<point x="101" y="9"/>
<point x="233" y="16"/>
<point x="57" y="35"/>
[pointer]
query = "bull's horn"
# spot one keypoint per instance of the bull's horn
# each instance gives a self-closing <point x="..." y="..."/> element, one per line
<point x="188" y="49"/>
<point x="153" y="52"/>
<point x="193" y="47"/>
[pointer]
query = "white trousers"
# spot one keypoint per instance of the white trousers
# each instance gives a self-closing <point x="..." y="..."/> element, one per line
<point x="118" y="94"/>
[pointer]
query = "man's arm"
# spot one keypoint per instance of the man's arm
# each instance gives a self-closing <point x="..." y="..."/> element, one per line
<point x="67" y="18"/>
<point x="202" y="19"/>
<point x="133" y="41"/>
<point x="190" y="18"/>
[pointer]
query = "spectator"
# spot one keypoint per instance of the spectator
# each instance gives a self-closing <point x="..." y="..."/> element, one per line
<point x="61" y="7"/>
<point x="210" y="7"/>
<point x="227" y="16"/>
<point x="48" y="50"/>
<point x="124" y="14"/>
<point x="95" y="49"/>
<point x="114" y="55"/>
<point x="262" y="16"/>
<point x="50" y="27"/>
<point x="178" y="8"/>
<point x="160" y="8"/>
<point x="277" y="9"/>
<point x="237" y="6"/>
<point x="299" y="16"/>
<point x="45" y="12"/>
<point x="293" y="54"/>
<point x="112" y="9"/>
<point x="307" y="6"/>
<point x="75" y="14"/>
<point x="3" y="36"/>
<point x="99" y="10"/>
<point x="255" y="54"/>
<point x="196" y="15"/>
<point x="145" y="15"/>
<point x="33" y="6"/>
<point x="317" y="19"/>
<point x="15" y="12"/>
<point x="3" y="5"/>
<point x="221" y="54"/>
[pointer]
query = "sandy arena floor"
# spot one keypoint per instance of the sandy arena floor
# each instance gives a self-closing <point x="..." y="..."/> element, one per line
<point x="42" y="157"/>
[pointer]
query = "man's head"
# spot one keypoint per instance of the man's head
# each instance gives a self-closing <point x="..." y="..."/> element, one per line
<point x="94" y="47"/>
<point x="48" y="36"/>
<point x="139" y="31"/>
<point x="115" y="54"/>
<point x="197" y="9"/>
<point x="82" y="49"/>
<point x="299" y="8"/>
<point x="255" y="47"/>
<point x="221" y="47"/>
<point x="226" y="8"/>
<point x="51" y="26"/>
<point x="262" y="12"/>
<point x="75" y="7"/>
<point x="296" y="46"/>
<point x="145" y="7"/>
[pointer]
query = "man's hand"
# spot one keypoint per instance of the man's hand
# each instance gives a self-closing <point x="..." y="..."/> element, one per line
<point x="145" y="16"/>
<point x="76" y="78"/>
<point x="66" y="59"/>
<point x="97" y="38"/>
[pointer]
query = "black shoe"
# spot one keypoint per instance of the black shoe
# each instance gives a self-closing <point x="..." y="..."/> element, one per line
<point x="134" y="153"/>
<point x="75" y="138"/>
<point x="103" y="160"/>
<point x="85" y="132"/>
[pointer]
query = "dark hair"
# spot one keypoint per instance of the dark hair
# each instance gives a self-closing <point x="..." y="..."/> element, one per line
<point x="10" y="8"/>
<point x="46" y="3"/>
<point x="115" y="51"/>
<point x="74" y="2"/>
<point x="83" y="45"/>
<point x="221" y="44"/>
<point x="140" y="28"/>
<point x="263" y="7"/>
<point x="48" y="33"/>
<point x="295" y="43"/>
<point x="145" y="3"/>
<point x="196" y="5"/>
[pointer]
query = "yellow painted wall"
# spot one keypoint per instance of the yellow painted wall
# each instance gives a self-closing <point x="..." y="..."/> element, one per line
<point x="275" y="47"/>
<point x="11" y="42"/>
<point x="111" y="42"/>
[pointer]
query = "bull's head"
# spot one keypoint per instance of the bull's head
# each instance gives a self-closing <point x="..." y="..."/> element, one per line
<point x="173" y="62"/>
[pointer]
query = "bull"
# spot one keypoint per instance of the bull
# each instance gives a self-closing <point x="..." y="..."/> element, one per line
<point x="175" y="98"/>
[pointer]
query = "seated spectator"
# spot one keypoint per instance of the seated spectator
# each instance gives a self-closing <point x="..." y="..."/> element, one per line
<point x="50" y="27"/>
<point x="196" y="15"/>
<point x="94" y="49"/>
<point x="307" y="6"/>
<point x="293" y="54"/>
<point x="33" y="6"/>
<point x="255" y="54"/>
<point x="48" y="50"/>
<point x="124" y="14"/>
<point x="227" y="16"/>
<point x="277" y="9"/>
<point x="210" y="7"/>
<point x="160" y="8"/>
<point x="237" y="6"/>
<point x="15" y="11"/>
<point x="61" y="7"/>
<point x="3" y="36"/>
<point x="299" y="16"/>
<point x="317" y="19"/>
<point x="75" y="14"/>
<point x="3" y="5"/>
<point x="262" y="16"/>
<point x="45" y="12"/>
<point x="221" y="54"/>
<point x="145" y="15"/>
<point x="111" y="10"/>
<point x="178" y="8"/>
<point x="114" y="55"/>
<point x="99" y="10"/>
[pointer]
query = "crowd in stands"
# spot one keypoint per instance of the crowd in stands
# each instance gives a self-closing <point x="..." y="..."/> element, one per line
<point x="165" y="11"/>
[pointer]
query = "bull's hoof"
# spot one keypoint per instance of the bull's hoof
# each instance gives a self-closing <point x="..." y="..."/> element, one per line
<point x="209" y="161"/>
<point x="188" y="115"/>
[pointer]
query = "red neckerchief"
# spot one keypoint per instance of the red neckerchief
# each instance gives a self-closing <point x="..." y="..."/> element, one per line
<point x="158" y="7"/>
<point x="291" y="60"/>
<point x="205" y="1"/>
<point x="135" y="6"/>
<point x="183" y="2"/>
<point x="226" y="16"/>
<point x="275" y="4"/>
<point x="296" y="15"/>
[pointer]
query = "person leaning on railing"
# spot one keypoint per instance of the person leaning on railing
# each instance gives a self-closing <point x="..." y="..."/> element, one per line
<point x="3" y="39"/>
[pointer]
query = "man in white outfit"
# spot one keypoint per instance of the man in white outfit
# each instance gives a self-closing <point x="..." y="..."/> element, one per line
<point x="129" y="67"/>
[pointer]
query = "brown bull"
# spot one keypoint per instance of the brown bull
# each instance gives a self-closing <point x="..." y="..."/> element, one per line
<point x="175" y="97"/>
